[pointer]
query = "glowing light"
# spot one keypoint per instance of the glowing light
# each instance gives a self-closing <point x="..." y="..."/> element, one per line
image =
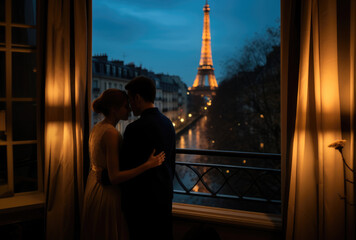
<point x="190" y="115"/>
<point x="262" y="145"/>
<point x="182" y="119"/>
<point x="244" y="161"/>
<point x="238" y="124"/>
<point x="227" y="171"/>
<point x="208" y="103"/>
<point x="174" y="124"/>
<point x="188" y="93"/>
<point x="196" y="188"/>
<point x="262" y="116"/>
<point x="212" y="141"/>
<point x="205" y="108"/>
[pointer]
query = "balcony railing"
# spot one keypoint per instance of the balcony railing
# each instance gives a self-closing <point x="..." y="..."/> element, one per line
<point x="252" y="178"/>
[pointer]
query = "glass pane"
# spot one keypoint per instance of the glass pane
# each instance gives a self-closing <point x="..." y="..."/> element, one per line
<point x="25" y="168"/>
<point x="2" y="75"/>
<point x="24" y="11"/>
<point x="24" y="121"/>
<point x="2" y="35"/>
<point x="2" y="10"/>
<point x="3" y="165"/>
<point x="24" y="75"/>
<point x="2" y="121"/>
<point x="26" y="36"/>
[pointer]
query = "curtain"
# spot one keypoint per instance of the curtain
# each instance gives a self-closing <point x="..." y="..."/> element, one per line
<point x="318" y="108"/>
<point x="67" y="96"/>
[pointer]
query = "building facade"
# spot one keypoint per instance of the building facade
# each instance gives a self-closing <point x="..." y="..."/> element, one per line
<point x="171" y="97"/>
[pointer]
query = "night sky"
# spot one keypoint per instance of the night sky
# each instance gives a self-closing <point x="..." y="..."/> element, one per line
<point x="164" y="36"/>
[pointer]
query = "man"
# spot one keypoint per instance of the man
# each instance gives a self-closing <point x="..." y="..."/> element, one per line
<point x="147" y="199"/>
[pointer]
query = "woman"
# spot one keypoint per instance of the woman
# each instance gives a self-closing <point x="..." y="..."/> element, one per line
<point x="102" y="216"/>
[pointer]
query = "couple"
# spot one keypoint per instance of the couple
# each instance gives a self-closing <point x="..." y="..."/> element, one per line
<point x="137" y="204"/>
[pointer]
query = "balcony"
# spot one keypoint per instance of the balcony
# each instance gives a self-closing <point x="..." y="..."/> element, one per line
<point x="251" y="212"/>
<point x="236" y="201"/>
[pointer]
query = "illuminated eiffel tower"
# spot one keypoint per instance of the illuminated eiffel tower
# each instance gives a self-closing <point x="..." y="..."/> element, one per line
<point x="205" y="69"/>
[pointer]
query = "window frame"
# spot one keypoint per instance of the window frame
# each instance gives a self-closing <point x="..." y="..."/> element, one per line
<point x="8" y="190"/>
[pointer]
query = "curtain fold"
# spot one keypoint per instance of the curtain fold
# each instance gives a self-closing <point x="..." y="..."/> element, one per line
<point x="67" y="97"/>
<point x="323" y="111"/>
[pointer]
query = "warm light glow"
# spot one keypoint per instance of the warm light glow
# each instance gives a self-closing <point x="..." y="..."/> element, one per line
<point x="208" y="103"/>
<point x="262" y="116"/>
<point x="227" y="171"/>
<point x="190" y="115"/>
<point x="195" y="188"/>
<point x="212" y="141"/>
<point x="174" y="124"/>
<point x="182" y="143"/>
<point x="244" y="161"/>
<point x="262" y="145"/>
<point x="182" y="119"/>
<point x="205" y="108"/>
<point x="188" y="93"/>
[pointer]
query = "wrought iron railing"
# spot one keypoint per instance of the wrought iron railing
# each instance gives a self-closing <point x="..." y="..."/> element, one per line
<point x="239" y="181"/>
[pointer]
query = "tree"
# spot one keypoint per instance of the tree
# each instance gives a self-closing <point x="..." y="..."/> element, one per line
<point x="245" y="113"/>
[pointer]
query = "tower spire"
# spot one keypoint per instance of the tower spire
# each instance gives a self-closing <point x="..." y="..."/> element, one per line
<point x="205" y="69"/>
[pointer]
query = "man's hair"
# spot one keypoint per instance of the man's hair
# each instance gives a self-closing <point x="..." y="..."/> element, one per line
<point x="143" y="86"/>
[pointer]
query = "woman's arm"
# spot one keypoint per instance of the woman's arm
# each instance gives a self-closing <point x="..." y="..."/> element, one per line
<point x="111" y="141"/>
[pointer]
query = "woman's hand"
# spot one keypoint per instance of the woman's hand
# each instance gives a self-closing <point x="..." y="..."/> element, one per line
<point x="154" y="161"/>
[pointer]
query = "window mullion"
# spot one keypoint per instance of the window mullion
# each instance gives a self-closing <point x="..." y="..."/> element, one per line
<point x="8" y="74"/>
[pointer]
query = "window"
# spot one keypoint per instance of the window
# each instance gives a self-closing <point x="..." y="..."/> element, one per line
<point x="20" y="154"/>
<point x="241" y="115"/>
<point x="119" y="72"/>
<point x="95" y="83"/>
<point x="108" y="69"/>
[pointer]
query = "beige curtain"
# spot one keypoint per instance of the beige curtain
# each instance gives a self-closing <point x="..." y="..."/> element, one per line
<point x="318" y="106"/>
<point x="67" y="92"/>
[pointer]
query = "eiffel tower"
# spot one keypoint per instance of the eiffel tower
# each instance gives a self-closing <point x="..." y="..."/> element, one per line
<point x="205" y="69"/>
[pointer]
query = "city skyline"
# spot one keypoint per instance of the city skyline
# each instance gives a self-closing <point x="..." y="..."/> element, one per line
<point x="165" y="36"/>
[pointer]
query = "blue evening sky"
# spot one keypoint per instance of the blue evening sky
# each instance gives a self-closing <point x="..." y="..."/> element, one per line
<point x="164" y="36"/>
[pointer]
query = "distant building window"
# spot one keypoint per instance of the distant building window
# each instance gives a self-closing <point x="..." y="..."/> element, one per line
<point x="119" y="72"/>
<point x="108" y="69"/>
<point x="114" y="71"/>
<point x="95" y="84"/>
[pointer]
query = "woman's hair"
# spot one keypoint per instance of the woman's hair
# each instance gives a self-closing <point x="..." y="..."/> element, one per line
<point x="109" y="98"/>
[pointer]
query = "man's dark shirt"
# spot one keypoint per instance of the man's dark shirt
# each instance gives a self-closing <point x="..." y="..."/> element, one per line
<point x="152" y="191"/>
